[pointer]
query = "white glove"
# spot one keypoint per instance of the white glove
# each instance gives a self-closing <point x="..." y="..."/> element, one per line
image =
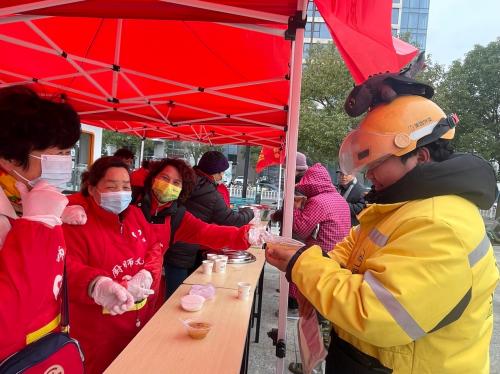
<point x="44" y="203"/>
<point x="139" y="285"/>
<point x="257" y="236"/>
<point x="112" y="296"/>
<point x="74" y="215"/>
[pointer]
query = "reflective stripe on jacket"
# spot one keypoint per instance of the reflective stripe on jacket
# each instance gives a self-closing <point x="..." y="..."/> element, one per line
<point x="410" y="286"/>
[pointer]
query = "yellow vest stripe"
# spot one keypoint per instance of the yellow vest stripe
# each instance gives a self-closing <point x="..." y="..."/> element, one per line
<point x="378" y="238"/>
<point x="480" y="251"/>
<point x="394" y="307"/>
<point x="41" y="332"/>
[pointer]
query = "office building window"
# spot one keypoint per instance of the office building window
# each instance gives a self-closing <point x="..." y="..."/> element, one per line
<point x="310" y="9"/>
<point x="422" y="21"/>
<point x="412" y="20"/>
<point x="324" y="33"/>
<point x="395" y="16"/>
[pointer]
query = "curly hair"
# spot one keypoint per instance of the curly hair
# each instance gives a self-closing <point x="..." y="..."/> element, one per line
<point x="187" y="174"/>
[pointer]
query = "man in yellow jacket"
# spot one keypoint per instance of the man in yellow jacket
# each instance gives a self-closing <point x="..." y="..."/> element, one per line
<point x="410" y="289"/>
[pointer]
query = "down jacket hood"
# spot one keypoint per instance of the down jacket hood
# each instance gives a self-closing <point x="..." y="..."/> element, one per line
<point x="315" y="181"/>
<point x="466" y="175"/>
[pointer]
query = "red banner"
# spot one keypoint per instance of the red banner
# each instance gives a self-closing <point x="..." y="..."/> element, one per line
<point x="269" y="156"/>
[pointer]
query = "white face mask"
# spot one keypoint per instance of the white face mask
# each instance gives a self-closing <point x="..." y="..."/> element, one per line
<point x="56" y="170"/>
<point x="115" y="202"/>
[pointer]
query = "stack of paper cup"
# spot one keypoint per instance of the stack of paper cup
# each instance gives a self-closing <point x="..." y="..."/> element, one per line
<point x="212" y="256"/>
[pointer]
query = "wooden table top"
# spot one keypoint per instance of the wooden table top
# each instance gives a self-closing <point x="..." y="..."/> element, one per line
<point x="234" y="273"/>
<point x="163" y="345"/>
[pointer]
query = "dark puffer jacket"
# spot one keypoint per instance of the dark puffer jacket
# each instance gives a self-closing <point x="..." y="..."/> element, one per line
<point x="354" y="194"/>
<point x="207" y="204"/>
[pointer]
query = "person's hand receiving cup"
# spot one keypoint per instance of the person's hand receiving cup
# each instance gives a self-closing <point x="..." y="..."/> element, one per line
<point x="279" y="255"/>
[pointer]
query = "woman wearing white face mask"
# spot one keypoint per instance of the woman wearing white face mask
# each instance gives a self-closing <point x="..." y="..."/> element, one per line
<point x="114" y="264"/>
<point x="33" y="133"/>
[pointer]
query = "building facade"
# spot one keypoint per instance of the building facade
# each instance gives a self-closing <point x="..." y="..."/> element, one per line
<point x="409" y="19"/>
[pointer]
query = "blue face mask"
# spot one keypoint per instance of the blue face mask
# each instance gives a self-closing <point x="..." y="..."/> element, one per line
<point x="115" y="202"/>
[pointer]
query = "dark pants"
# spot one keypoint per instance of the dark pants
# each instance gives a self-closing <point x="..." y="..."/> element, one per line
<point x="174" y="276"/>
<point x="347" y="359"/>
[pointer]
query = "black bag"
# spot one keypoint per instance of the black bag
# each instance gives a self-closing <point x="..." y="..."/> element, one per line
<point x="55" y="353"/>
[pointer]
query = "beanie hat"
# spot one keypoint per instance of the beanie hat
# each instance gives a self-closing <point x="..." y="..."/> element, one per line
<point x="300" y="162"/>
<point x="213" y="162"/>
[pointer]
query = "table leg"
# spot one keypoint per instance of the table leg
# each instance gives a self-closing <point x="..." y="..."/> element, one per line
<point x="258" y="315"/>
<point x="246" y="351"/>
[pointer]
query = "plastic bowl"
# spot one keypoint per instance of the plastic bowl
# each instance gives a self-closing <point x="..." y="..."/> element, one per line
<point x="198" y="329"/>
<point x="192" y="303"/>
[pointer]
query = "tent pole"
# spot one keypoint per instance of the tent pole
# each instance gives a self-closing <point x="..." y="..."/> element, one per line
<point x="279" y="186"/>
<point x="141" y="156"/>
<point x="245" y="172"/>
<point x="291" y="154"/>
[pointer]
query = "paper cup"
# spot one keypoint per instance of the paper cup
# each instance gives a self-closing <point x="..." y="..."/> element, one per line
<point x="212" y="256"/>
<point x="223" y="257"/>
<point x="207" y="266"/>
<point x="243" y="290"/>
<point x="220" y="266"/>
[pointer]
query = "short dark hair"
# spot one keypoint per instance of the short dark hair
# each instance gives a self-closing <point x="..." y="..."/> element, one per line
<point x="98" y="170"/>
<point x="124" y="153"/>
<point x="439" y="150"/>
<point x="145" y="164"/>
<point x="187" y="174"/>
<point x="29" y="122"/>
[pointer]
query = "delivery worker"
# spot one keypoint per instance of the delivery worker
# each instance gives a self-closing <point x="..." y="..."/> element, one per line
<point x="410" y="289"/>
<point x="35" y="139"/>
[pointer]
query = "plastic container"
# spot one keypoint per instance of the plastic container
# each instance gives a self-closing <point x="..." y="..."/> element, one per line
<point x="192" y="303"/>
<point x="207" y="291"/>
<point x="197" y="329"/>
<point x="284" y="242"/>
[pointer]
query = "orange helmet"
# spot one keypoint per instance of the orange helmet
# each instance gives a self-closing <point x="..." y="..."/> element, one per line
<point x="394" y="129"/>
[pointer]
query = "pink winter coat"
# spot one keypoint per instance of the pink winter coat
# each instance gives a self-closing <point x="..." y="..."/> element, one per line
<point x="324" y="207"/>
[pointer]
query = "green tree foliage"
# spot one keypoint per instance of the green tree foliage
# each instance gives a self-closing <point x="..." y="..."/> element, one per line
<point x="124" y="140"/>
<point x="196" y="150"/>
<point x="326" y="82"/>
<point x="471" y="88"/>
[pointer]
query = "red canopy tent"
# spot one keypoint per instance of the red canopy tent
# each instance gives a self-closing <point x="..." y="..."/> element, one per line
<point x="214" y="71"/>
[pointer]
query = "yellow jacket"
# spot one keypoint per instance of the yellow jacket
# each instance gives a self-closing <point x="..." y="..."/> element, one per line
<point x="412" y="286"/>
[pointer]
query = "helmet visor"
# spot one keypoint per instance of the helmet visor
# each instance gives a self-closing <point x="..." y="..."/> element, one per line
<point x="362" y="149"/>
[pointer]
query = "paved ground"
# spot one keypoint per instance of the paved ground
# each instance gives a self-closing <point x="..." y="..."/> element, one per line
<point x="262" y="354"/>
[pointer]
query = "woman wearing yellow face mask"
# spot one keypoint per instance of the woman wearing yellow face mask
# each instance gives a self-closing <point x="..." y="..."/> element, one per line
<point x="167" y="187"/>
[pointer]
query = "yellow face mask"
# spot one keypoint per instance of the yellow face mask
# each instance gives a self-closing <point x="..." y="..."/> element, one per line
<point x="165" y="192"/>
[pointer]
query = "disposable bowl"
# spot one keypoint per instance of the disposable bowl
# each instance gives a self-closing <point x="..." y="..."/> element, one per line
<point x="192" y="303"/>
<point x="198" y="329"/>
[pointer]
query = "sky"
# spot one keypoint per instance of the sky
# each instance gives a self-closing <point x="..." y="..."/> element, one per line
<point x="455" y="26"/>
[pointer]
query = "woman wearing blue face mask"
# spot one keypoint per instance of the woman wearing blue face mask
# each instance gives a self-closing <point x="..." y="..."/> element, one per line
<point x="35" y="135"/>
<point x="114" y="264"/>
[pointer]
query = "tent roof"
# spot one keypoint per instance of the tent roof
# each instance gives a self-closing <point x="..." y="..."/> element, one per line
<point x="244" y="11"/>
<point x="212" y="71"/>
